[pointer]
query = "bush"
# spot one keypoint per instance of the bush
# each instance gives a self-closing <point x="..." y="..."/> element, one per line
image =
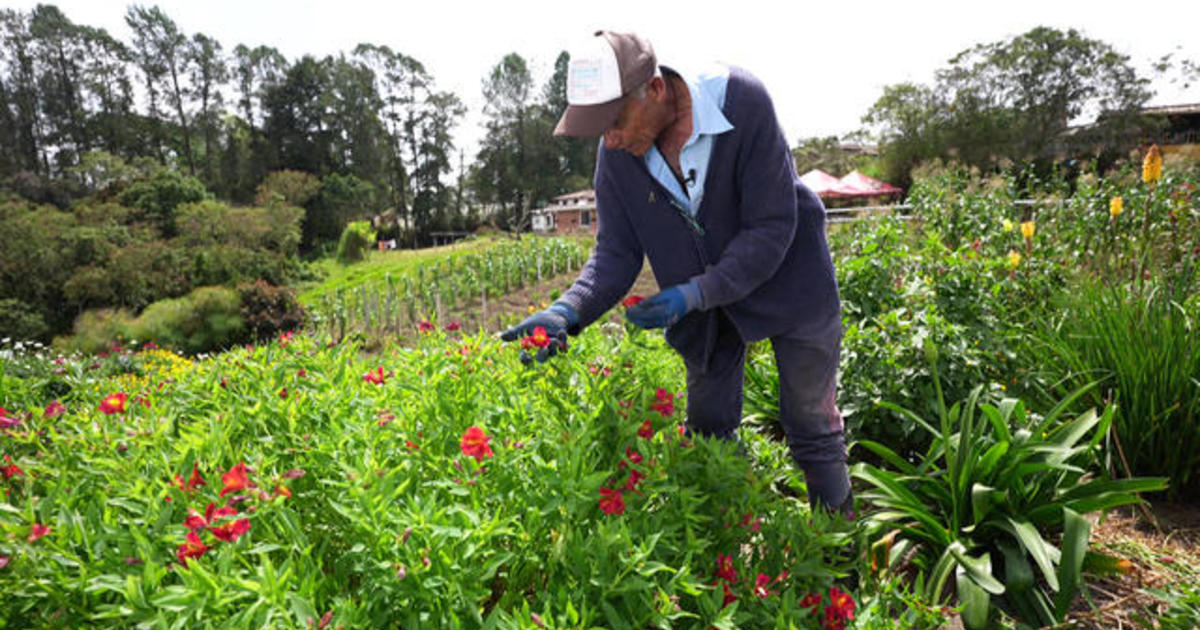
<point x="269" y="310"/>
<point x="356" y="238"/>
<point x="205" y="319"/>
<point x="160" y="194"/>
<point x="21" y="321"/>
<point x="97" y="330"/>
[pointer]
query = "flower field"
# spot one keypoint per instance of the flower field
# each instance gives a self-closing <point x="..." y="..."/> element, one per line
<point x="1011" y="371"/>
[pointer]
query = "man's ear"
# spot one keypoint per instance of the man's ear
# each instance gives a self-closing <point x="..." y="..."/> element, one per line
<point x="657" y="87"/>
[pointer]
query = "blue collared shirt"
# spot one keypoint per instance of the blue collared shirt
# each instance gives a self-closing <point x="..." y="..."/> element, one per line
<point x="707" y="89"/>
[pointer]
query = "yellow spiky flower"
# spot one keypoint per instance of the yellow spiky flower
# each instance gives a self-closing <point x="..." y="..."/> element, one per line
<point x="1027" y="229"/>
<point x="1014" y="258"/>
<point x="1116" y="206"/>
<point x="1152" y="165"/>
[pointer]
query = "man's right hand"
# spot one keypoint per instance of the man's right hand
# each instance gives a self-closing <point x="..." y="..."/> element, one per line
<point x="555" y="320"/>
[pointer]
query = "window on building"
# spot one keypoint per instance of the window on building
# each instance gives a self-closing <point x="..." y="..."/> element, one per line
<point x="585" y="217"/>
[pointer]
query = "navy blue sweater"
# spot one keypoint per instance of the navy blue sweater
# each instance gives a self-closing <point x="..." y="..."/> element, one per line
<point x="759" y="252"/>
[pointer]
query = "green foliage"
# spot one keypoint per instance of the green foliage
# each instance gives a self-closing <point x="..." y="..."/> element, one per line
<point x="1183" y="609"/>
<point x="158" y="195"/>
<point x="206" y="319"/>
<point x="293" y="188"/>
<point x="268" y="310"/>
<point x="21" y="321"/>
<point x="1145" y="351"/>
<point x="982" y="505"/>
<point x="343" y="198"/>
<point x="356" y="240"/>
<point x="97" y="330"/>
<point x="386" y="520"/>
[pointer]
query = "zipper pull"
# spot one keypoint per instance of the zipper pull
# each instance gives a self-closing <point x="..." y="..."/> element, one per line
<point x="651" y="196"/>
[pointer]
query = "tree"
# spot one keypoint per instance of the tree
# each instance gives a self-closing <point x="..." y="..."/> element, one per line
<point x="295" y="117"/>
<point x="578" y="155"/>
<point x="207" y="72"/>
<point x="909" y="121"/>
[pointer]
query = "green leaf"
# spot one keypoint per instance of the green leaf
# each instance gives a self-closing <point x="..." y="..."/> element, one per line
<point x="975" y="601"/>
<point x="1038" y="548"/>
<point x="1076" y="530"/>
<point x="980" y="569"/>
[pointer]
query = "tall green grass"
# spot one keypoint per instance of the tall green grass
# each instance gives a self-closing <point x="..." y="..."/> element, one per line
<point x="1144" y="347"/>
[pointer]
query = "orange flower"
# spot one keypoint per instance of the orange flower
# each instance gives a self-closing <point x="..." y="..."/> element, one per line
<point x="113" y="403"/>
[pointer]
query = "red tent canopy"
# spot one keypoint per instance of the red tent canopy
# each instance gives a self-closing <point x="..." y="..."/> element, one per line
<point x="819" y="182"/>
<point x="864" y="186"/>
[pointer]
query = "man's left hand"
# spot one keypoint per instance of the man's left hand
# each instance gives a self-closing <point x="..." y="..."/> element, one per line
<point x="665" y="308"/>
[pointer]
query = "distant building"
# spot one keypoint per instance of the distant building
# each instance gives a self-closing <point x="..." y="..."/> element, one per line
<point x="1174" y="128"/>
<point x="1181" y="128"/>
<point x="572" y="213"/>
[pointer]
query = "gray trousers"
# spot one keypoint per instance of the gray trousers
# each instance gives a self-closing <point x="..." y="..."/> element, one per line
<point x="807" y="365"/>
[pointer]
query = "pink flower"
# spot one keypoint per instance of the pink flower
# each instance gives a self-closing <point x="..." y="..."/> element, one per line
<point x="425" y="327"/>
<point x="376" y="377"/>
<point x="760" y="585"/>
<point x="8" y="419"/>
<point x="725" y="569"/>
<point x="453" y="326"/>
<point x="54" y="409"/>
<point x="37" y="531"/>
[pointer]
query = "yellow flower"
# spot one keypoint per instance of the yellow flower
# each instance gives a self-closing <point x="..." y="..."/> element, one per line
<point x="1008" y="225"/>
<point x="1027" y="229"/>
<point x="1116" y="206"/>
<point x="1152" y="165"/>
<point x="1014" y="258"/>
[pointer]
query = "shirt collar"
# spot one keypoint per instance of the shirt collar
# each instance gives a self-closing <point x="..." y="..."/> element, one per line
<point x="706" y="112"/>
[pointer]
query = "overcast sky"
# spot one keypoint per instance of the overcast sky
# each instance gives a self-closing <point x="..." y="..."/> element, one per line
<point x="824" y="63"/>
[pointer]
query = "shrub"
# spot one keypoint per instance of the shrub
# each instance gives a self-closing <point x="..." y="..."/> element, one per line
<point x="205" y="319"/>
<point x="158" y="195"/>
<point x="269" y="310"/>
<point x="96" y="330"/>
<point x="356" y="238"/>
<point x="21" y="321"/>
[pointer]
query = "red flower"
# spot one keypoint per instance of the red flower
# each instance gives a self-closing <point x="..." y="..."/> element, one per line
<point x="453" y="326"/>
<point x="611" y="502"/>
<point x="665" y="404"/>
<point x="282" y="491"/>
<point x="11" y="470"/>
<point x="212" y="514"/>
<point x="751" y="523"/>
<point x="633" y="455"/>
<point x="646" y="431"/>
<point x="37" y="531"/>
<point x="725" y="569"/>
<point x="475" y="444"/>
<point x="192" y="548"/>
<point x="285" y="338"/>
<point x="377" y="377"/>
<point x="760" y="585"/>
<point x="635" y="478"/>
<point x="54" y="409"/>
<point x="114" y="403"/>
<point x="283" y="393"/>
<point x="539" y="338"/>
<point x="632" y="301"/>
<point x="231" y="531"/>
<point x="811" y="601"/>
<point x="235" y="480"/>
<point x="7" y="420"/>
<point x="193" y="482"/>
<point x="302" y="373"/>
<point x="410" y="445"/>
<point x="425" y="327"/>
<point x="840" y="608"/>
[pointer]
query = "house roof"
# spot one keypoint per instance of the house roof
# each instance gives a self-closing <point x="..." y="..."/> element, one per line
<point x="1173" y="110"/>
<point x="579" y="194"/>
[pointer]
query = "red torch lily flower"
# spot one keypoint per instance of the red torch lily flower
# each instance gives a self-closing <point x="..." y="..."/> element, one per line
<point x="191" y="549"/>
<point x="611" y="501"/>
<point x="113" y="403"/>
<point x="37" y="531"/>
<point x="235" y="480"/>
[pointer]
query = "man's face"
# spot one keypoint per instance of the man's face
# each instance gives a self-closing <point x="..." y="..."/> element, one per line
<point x="638" y="125"/>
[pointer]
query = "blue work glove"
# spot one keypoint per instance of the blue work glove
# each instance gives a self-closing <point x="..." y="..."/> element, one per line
<point x="666" y="307"/>
<point x="556" y="320"/>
